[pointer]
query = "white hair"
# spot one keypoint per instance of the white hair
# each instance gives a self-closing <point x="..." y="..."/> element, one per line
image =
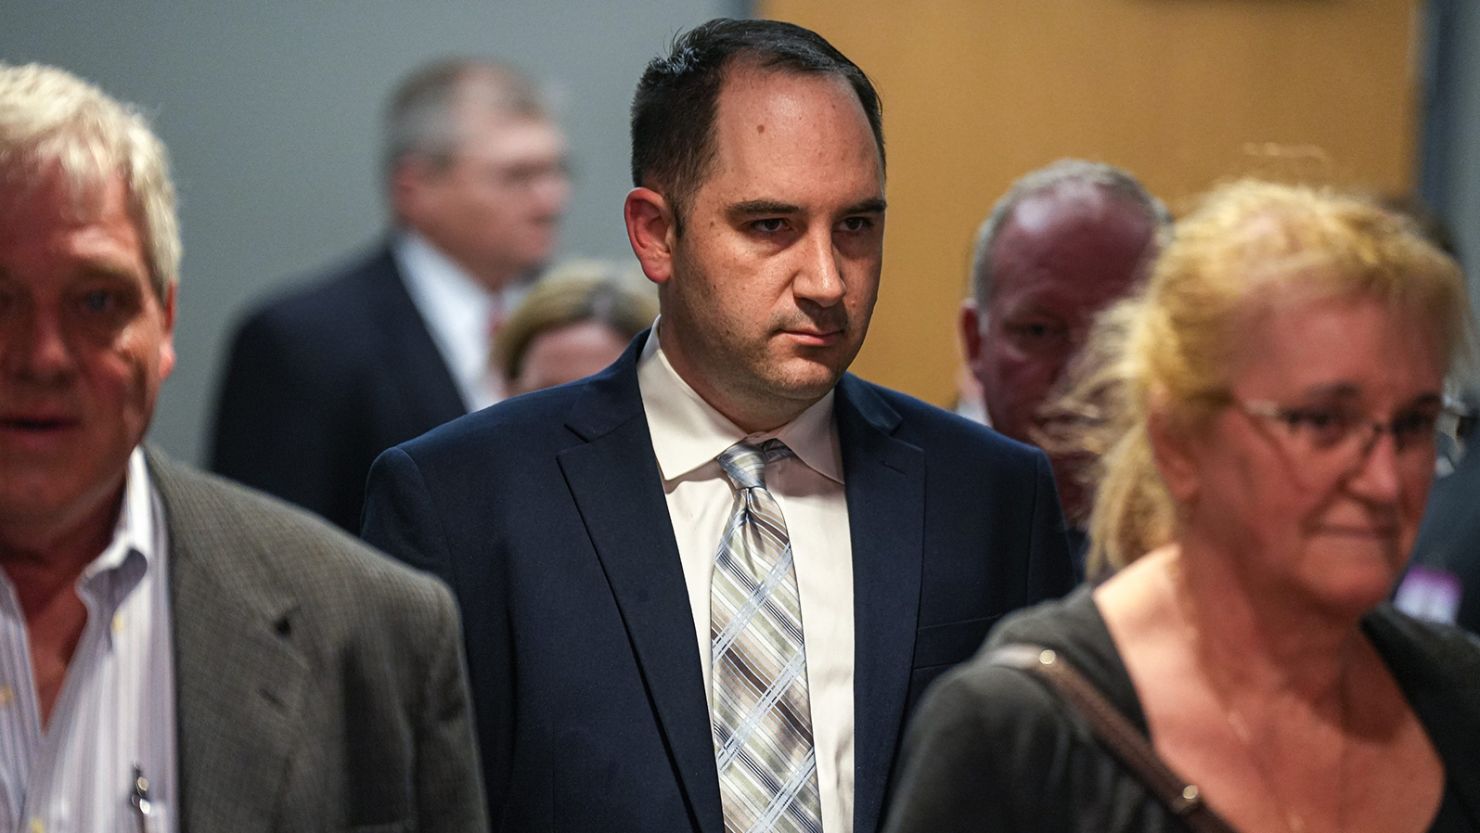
<point x="52" y="120"/>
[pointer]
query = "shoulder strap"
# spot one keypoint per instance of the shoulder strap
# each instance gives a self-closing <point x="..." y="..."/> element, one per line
<point x="1116" y="733"/>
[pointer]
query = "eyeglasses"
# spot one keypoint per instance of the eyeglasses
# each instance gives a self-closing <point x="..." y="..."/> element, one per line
<point x="525" y="176"/>
<point x="1433" y="433"/>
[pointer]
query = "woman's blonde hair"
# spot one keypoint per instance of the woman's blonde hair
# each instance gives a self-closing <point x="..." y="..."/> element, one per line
<point x="572" y="292"/>
<point x="1246" y="249"/>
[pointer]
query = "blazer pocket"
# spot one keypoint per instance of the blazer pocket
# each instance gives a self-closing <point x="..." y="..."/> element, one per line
<point x="953" y="642"/>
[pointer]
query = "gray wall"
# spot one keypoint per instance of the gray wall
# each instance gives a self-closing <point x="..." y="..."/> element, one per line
<point x="271" y="110"/>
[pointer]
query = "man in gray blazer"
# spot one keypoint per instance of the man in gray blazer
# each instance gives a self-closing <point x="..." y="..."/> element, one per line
<point x="177" y="653"/>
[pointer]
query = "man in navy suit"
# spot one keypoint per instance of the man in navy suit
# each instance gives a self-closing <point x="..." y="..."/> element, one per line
<point x="579" y="526"/>
<point x="320" y="381"/>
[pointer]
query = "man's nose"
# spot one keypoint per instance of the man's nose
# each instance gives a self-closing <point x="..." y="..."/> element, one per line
<point x="552" y="190"/>
<point x="37" y="346"/>
<point x="819" y="279"/>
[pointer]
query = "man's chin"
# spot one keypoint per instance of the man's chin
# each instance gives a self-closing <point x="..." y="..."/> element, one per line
<point x="806" y="380"/>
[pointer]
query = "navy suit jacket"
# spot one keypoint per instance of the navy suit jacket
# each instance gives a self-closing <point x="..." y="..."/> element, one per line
<point x="1449" y="539"/>
<point x="547" y="517"/>
<point x="321" y="381"/>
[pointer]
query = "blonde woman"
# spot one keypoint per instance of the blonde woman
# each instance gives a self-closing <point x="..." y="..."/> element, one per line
<point x="1277" y="405"/>
<point x="576" y="321"/>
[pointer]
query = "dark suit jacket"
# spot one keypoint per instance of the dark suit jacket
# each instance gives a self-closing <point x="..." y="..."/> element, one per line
<point x="319" y="685"/>
<point x="546" y="514"/>
<point x="1449" y="539"/>
<point x="320" y="381"/>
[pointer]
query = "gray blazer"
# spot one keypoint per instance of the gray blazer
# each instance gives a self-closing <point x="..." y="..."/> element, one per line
<point x="320" y="686"/>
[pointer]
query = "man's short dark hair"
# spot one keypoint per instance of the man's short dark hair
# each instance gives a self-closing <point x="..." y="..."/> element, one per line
<point x="673" y="110"/>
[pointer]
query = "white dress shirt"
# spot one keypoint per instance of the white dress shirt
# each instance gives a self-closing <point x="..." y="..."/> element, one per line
<point x="457" y="310"/>
<point x="116" y="709"/>
<point x="688" y="434"/>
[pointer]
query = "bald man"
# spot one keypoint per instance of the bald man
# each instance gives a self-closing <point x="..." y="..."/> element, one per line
<point x="1065" y="242"/>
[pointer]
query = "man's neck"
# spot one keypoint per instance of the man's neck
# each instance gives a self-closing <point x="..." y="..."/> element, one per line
<point x="43" y="566"/>
<point x="492" y="279"/>
<point x="52" y="550"/>
<point x="756" y="416"/>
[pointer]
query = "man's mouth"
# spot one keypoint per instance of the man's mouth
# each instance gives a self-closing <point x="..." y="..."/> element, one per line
<point x="816" y="337"/>
<point x="36" y="424"/>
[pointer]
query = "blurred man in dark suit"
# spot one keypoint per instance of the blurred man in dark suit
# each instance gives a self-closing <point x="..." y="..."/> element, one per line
<point x="1443" y="579"/>
<point x="320" y="381"/>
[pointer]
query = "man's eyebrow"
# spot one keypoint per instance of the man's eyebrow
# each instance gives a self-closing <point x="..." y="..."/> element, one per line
<point x="758" y="208"/>
<point x="873" y="205"/>
<point x="106" y="268"/>
<point x="772" y="208"/>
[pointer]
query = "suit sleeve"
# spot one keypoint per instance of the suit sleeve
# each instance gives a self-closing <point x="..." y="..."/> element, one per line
<point x="402" y="520"/>
<point x="278" y="425"/>
<point x="449" y="789"/>
<point x="1050" y="567"/>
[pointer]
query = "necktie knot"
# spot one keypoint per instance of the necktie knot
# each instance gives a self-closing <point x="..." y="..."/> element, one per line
<point x="745" y="464"/>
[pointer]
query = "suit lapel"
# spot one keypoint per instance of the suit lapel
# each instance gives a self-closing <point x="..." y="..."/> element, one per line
<point x="239" y="679"/>
<point x="884" y="484"/>
<point x="424" y="384"/>
<point x="616" y="485"/>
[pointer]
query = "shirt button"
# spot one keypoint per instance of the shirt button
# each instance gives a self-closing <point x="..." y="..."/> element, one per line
<point x="7" y="694"/>
<point x="118" y="623"/>
<point x="37" y="825"/>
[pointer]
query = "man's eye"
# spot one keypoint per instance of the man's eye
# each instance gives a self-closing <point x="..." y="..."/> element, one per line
<point x="770" y="225"/>
<point x="99" y="300"/>
<point x="857" y="224"/>
<point x="1036" y="333"/>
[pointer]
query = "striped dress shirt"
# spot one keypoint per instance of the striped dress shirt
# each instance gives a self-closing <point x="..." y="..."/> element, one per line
<point x="116" y="712"/>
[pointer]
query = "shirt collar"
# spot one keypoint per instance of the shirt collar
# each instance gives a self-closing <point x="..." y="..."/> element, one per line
<point x="134" y="548"/>
<point x="688" y="432"/>
<point x="455" y="306"/>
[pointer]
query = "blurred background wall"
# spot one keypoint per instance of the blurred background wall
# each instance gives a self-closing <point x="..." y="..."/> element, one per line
<point x="271" y="110"/>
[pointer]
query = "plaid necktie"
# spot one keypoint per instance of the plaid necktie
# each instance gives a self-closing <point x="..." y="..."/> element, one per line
<point x="762" y="716"/>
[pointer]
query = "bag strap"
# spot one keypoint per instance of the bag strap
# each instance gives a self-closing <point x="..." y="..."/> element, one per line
<point x="1115" y="732"/>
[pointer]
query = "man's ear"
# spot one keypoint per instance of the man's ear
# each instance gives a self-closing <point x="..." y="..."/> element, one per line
<point x="651" y="231"/>
<point x="971" y="331"/>
<point x="167" y="344"/>
<point x="408" y="183"/>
